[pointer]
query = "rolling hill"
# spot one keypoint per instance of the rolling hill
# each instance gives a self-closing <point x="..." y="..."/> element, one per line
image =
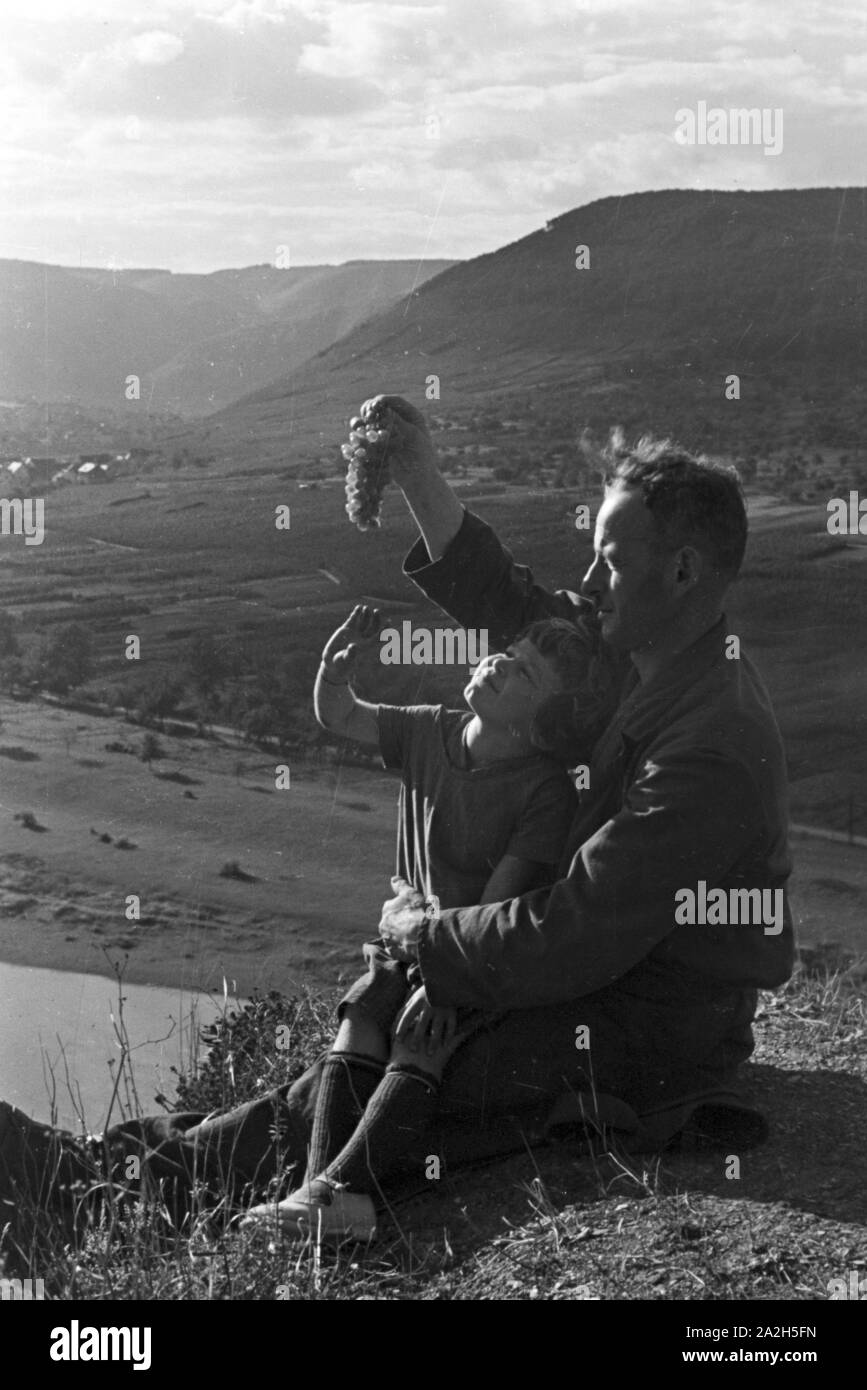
<point x="196" y="342"/>
<point x="682" y="289"/>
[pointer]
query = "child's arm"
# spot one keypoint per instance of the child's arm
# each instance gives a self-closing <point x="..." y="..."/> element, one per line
<point x="337" y="708"/>
<point x="512" y="877"/>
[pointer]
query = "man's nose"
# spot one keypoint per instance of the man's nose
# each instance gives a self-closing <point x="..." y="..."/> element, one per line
<point x="593" y="583"/>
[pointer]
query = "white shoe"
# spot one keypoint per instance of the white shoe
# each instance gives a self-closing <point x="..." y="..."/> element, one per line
<point x="319" y="1209"/>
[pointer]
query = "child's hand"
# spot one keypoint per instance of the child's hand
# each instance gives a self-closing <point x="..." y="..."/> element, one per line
<point x="340" y="652"/>
<point x="420" y="1022"/>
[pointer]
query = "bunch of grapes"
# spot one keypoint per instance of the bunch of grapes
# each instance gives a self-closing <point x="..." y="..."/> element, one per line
<point x="368" y="467"/>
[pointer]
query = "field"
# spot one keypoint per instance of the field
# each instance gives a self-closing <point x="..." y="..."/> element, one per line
<point x="167" y="560"/>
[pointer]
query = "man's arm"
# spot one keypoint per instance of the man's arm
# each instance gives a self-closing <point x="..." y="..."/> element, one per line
<point x="685" y="818"/>
<point x="514" y="876"/>
<point x="459" y="562"/>
<point x="413" y="467"/>
<point x="478" y="583"/>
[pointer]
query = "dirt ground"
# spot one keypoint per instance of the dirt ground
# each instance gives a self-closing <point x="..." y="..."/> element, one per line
<point x="318" y="857"/>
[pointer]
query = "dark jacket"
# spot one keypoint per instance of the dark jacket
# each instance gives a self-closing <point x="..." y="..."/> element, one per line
<point x="687" y="785"/>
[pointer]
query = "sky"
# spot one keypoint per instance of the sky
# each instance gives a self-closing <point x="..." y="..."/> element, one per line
<point x="199" y="134"/>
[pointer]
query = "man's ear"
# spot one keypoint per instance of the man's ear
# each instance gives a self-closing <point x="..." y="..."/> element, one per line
<point x="689" y="567"/>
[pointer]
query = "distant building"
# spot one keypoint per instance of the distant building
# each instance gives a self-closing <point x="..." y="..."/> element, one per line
<point x="92" y="472"/>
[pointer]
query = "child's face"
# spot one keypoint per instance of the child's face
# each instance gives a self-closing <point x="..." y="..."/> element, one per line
<point x="508" y="687"/>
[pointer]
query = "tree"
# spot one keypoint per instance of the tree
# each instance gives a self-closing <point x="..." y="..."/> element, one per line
<point x="65" y="659"/>
<point x="8" y="637"/>
<point x="151" y="749"/>
<point x="159" y="700"/>
<point x="208" y="664"/>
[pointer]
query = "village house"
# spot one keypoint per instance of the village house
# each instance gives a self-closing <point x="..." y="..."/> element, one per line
<point x="92" y="472"/>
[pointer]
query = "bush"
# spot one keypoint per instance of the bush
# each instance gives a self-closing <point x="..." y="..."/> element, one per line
<point x="267" y="1043"/>
<point x="9" y="629"/>
<point x="65" y="659"/>
<point x="160" y="699"/>
<point x="151" y="749"/>
<point x="232" y="869"/>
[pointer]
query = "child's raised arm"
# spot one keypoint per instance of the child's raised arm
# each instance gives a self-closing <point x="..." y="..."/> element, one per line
<point x="337" y="708"/>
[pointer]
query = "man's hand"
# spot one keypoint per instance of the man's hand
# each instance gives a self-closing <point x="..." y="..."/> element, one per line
<point x="422" y="1023"/>
<point x="340" y="654"/>
<point x="401" y="920"/>
<point x="408" y="446"/>
<point x="410" y="458"/>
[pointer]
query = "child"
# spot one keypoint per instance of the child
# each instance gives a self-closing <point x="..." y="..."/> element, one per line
<point x="484" y="810"/>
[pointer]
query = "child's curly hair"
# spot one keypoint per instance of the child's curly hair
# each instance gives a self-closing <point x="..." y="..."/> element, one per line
<point x="568" y="724"/>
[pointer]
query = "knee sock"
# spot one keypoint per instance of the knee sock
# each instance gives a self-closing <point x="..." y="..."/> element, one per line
<point x="401" y="1109"/>
<point x="348" y="1081"/>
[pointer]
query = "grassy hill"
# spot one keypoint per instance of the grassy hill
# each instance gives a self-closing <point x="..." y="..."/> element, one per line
<point x="195" y="341"/>
<point x="682" y="289"/>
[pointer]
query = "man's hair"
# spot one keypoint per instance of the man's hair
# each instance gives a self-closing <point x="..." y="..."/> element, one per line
<point x="693" y="499"/>
<point x="567" y="724"/>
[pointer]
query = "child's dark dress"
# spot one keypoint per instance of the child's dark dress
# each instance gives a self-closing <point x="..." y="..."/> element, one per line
<point x="455" y="824"/>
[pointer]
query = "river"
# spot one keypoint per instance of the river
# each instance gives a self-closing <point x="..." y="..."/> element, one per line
<point x="60" y="1022"/>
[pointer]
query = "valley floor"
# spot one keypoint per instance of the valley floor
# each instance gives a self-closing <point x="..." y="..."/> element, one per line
<point x="318" y="857"/>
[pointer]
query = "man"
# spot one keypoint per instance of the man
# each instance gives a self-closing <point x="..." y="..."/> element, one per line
<point x="607" y="1001"/>
<point x="688" y="785"/>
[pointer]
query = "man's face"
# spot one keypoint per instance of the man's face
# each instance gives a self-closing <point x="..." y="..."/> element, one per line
<point x="631" y="579"/>
<point x="508" y="687"/>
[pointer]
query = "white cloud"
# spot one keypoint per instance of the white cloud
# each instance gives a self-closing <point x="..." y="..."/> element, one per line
<point x="143" y="126"/>
<point x="377" y="41"/>
<point x="154" y="47"/>
<point x="855" y="66"/>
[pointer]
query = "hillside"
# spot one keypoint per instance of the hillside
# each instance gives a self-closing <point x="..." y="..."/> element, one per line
<point x="556" y="1223"/>
<point x="196" y="341"/>
<point x="682" y="289"/>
